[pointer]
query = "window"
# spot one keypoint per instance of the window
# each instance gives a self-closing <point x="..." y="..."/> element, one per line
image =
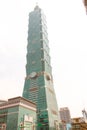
<point x="33" y="62"/>
<point x="41" y="128"/>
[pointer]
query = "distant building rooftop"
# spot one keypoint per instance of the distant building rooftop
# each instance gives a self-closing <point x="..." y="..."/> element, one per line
<point x="2" y="101"/>
<point x="18" y="101"/>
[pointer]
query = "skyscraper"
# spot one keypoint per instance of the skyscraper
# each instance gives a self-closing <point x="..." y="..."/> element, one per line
<point x="38" y="85"/>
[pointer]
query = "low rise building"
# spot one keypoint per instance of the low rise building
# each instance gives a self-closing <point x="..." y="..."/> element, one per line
<point x="17" y="113"/>
<point x="79" y="124"/>
<point x="2" y="101"/>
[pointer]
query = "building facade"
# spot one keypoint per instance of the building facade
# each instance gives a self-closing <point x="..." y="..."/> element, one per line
<point x="17" y="114"/>
<point x="78" y="123"/>
<point x="65" y="115"/>
<point x="38" y="86"/>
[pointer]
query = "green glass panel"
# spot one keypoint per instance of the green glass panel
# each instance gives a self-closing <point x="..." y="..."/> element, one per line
<point x="39" y="89"/>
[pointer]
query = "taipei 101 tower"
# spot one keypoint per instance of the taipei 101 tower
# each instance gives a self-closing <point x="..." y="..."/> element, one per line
<point x="38" y="86"/>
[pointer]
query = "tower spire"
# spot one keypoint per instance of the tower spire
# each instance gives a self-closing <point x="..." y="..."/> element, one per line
<point x="36" y="3"/>
<point x="36" y="7"/>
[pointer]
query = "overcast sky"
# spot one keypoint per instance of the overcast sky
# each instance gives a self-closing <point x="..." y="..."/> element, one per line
<point x="67" y="31"/>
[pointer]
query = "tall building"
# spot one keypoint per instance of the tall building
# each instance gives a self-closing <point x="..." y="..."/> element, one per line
<point x="65" y="115"/>
<point x="38" y="85"/>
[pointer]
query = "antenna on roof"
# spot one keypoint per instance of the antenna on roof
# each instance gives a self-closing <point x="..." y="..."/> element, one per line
<point x="36" y="7"/>
<point x="36" y="3"/>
